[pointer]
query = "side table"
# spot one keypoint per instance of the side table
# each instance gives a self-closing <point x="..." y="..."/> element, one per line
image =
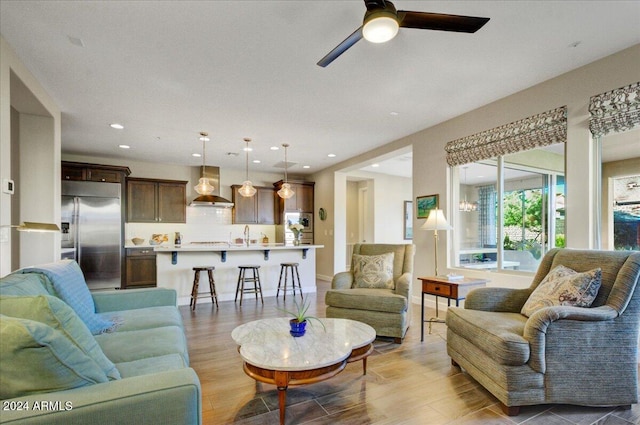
<point x="450" y="289"/>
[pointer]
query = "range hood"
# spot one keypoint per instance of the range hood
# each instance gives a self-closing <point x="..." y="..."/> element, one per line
<point x="214" y="200"/>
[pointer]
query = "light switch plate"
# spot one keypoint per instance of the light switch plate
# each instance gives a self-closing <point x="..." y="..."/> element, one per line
<point x="8" y="186"/>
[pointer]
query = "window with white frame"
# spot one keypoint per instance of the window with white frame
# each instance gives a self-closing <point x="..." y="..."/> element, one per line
<point x="510" y="191"/>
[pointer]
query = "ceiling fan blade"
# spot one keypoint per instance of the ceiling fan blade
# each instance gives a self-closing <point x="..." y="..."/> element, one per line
<point x="341" y="48"/>
<point x="440" y="21"/>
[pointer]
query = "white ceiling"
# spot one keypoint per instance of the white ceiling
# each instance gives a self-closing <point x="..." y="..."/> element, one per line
<point x="167" y="70"/>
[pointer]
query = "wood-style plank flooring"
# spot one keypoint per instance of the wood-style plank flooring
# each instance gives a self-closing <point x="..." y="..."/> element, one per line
<point x="411" y="383"/>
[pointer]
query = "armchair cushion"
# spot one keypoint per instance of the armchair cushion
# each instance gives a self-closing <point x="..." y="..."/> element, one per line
<point x="564" y="286"/>
<point x="373" y="271"/>
<point x="367" y="299"/>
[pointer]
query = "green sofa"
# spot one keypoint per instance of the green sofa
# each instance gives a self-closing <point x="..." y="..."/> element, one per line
<point x="116" y="357"/>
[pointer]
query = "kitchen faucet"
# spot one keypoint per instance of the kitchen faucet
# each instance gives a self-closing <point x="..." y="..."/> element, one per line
<point x="246" y="235"/>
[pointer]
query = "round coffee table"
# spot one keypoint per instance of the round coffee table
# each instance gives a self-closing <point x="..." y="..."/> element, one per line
<point x="271" y="355"/>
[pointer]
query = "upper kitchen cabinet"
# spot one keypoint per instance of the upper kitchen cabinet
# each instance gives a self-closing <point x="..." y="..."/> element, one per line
<point x="94" y="172"/>
<point x="301" y="201"/>
<point x="257" y="209"/>
<point x="152" y="200"/>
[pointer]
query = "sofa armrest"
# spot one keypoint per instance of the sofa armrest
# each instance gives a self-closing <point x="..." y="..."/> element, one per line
<point x="403" y="286"/>
<point x="567" y="323"/>
<point x="506" y="300"/>
<point x="342" y="280"/>
<point x="172" y="397"/>
<point x="131" y="299"/>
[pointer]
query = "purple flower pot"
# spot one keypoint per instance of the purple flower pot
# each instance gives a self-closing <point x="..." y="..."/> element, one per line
<point x="297" y="328"/>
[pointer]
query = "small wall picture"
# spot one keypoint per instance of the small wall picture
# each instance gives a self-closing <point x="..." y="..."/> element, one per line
<point x="424" y="204"/>
<point x="408" y="220"/>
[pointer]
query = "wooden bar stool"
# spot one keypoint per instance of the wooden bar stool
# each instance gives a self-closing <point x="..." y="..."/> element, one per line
<point x="196" y="282"/>
<point x="243" y="278"/>
<point x="284" y="267"/>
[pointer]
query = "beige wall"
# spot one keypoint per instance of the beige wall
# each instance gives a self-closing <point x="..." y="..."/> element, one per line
<point x="38" y="159"/>
<point x="431" y="173"/>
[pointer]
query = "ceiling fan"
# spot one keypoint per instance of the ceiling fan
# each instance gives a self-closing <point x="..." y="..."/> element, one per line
<point x="382" y="21"/>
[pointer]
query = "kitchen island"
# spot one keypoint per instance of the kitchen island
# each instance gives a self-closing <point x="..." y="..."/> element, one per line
<point x="174" y="267"/>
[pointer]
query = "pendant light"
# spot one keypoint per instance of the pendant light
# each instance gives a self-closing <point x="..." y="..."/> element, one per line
<point x="285" y="192"/>
<point x="204" y="187"/>
<point x="247" y="190"/>
<point x="466" y="206"/>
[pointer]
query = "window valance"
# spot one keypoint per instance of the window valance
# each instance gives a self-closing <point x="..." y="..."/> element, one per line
<point x="539" y="130"/>
<point x="615" y="110"/>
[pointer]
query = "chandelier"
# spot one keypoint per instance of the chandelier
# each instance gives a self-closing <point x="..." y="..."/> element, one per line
<point x="204" y="187"/>
<point x="466" y="206"/>
<point x="285" y="192"/>
<point x="247" y="190"/>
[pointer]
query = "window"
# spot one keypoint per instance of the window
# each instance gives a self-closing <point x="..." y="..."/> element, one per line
<point x="511" y="209"/>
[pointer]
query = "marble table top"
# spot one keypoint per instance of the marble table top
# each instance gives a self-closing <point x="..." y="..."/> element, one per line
<point x="267" y="343"/>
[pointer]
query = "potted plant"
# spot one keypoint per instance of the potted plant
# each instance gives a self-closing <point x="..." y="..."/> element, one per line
<point x="300" y="317"/>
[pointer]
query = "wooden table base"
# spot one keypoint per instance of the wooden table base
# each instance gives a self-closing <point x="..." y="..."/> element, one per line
<point x="284" y="379"/>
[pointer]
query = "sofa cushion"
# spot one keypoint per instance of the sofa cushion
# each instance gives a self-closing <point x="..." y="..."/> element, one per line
<point x="141" y="344"/>
<point x="498" y="334"/>
<point x="151" y="365"/>
<point x="367" y="299"/>
<point x="68" y="281"/>
<point x="35" y="358"/>
<point x="373" y="271"/>
<point x="145" y="318"/>
<point x="55" y="313"/>
<point x="564" y="286"/>
<point x="25" y="284"/>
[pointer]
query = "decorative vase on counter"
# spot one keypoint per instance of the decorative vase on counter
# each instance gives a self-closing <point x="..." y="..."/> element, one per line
<point x="296" y="238"/>
<point x="297" y="328"/>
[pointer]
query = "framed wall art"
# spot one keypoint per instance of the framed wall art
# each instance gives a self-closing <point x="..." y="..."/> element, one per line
<point x="424" y="204"/>
<point x="408" y="220"/>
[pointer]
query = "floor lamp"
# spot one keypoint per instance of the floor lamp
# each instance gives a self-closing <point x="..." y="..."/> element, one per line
<point x="435" y="222"/>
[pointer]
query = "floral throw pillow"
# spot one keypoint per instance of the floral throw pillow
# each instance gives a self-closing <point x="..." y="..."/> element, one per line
<point x="564" y="286"/>
<point x="373" y="271"/>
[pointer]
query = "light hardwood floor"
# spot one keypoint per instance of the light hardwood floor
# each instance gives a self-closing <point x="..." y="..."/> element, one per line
<point x="411" y="383"/>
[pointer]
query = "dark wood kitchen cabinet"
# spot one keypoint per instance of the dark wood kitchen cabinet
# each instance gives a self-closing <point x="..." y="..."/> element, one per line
<point x="153" y="200"/>
<point x="140" y="268"/>
<point x="301" y="201"/>
<point x="257" y="209"/>
<point x="81" y="171"/>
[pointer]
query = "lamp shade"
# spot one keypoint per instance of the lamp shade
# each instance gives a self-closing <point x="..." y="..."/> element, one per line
<point x="436" y="221"/>
<point x="380" y="28"/>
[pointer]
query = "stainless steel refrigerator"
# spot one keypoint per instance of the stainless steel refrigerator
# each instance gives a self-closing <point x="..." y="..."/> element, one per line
<point x="92" y="230"/>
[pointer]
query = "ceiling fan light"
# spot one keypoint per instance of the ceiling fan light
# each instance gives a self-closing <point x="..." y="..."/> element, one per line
<point x="204" y="187"/>
<point x="381" y="28"/>
<point x="247" y="190"/>
<point x="285" y="192"/>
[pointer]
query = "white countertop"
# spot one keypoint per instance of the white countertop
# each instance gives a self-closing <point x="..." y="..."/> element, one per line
<point x="231" y="247"/>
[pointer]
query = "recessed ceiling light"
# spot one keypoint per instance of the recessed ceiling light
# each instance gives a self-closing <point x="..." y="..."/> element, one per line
<point x="124" y="146"/>
<point x="196" y="155"/>
<point x="393" y="113"/>
<point x="76" y="41"/>
<point x="116" y="126"/>
<point x="256" y="161"/>
<point x="375" y="165"/>
<point x="274" y="148"/>
<point x="332" y="155"/>
<point x="306" y="166"/>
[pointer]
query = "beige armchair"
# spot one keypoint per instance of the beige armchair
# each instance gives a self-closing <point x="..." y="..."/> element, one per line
<point x="386" y="310"/>
<point x="559" y="354"/>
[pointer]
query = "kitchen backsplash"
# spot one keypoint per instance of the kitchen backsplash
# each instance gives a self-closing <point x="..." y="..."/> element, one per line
<point x="203" y="225"/>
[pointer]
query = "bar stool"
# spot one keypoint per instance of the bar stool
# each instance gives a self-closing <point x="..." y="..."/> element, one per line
<point x="284" y="267"/>
<point x="196" y="282"/>
<point x="243" y="278"/>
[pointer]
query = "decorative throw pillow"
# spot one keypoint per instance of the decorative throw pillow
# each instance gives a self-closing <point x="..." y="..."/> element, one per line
<point x="55" y="313"/>
<point x="564" y="286"/>
<point x="373" y="271"/>
<point x="35" y="358"/>
<point x="68" y="281"/>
